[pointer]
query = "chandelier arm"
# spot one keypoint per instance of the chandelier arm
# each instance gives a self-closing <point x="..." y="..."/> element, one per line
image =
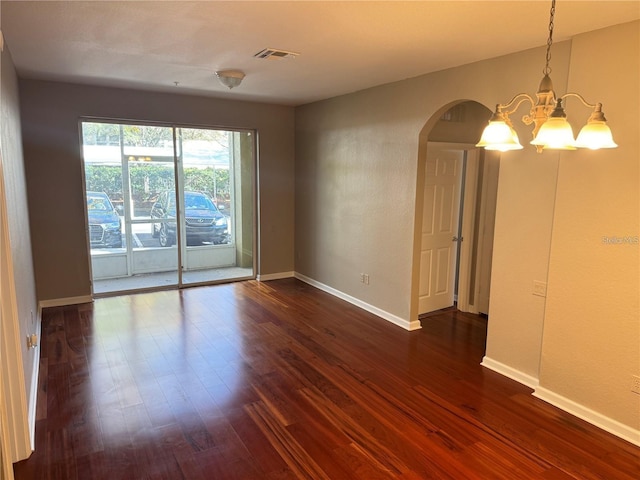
<point x="506" y="108"/>
<point x="581" y="98"/>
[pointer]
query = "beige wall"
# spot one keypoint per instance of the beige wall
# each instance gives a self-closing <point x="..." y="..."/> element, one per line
<point x="591" y="342"/>
<point x="524" y="221"/>
<point x="466" y="129"/>
<point x="357" y="167"/>
<point x="50" y="115"/>
<point x="18" y="306"/>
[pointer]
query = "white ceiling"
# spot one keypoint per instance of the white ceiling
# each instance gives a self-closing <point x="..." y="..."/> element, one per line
<point x="343" y="46"/>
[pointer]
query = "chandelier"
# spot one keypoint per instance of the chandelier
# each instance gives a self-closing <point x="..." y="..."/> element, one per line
<point x="551" y="129"/>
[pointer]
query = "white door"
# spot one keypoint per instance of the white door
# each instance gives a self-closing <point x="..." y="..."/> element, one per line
<point x="441" y="209"/>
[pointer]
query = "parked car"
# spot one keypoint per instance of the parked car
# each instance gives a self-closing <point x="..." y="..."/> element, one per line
<point x="104" y="221"/>
<point x="204" y="222"/>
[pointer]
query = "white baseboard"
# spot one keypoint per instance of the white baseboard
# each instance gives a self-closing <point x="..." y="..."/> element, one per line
<point x="601" y="421"/>
<point x="33" y="397"/>
<point x="274" y="276"/>
<point x="520" y="377"/>
<point x="401" y="322"/>
<point x="61" y="302"/>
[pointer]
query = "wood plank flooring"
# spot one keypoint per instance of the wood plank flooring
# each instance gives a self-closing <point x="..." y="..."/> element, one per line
<point x="279" y="380"/>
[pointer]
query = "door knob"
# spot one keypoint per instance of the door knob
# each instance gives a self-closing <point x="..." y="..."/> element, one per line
<point x="457" y="239"/>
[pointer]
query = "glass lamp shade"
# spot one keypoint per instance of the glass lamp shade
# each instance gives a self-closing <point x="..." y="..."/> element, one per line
<point x="499" y="136"/>
<point x="555" y="134"/>
<point x="595" y="135"/>
<point x="230" y="78"/>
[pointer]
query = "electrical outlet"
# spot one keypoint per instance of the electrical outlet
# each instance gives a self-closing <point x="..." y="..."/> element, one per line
<point x="362" y="278"/>
<point x="366" y="279"/>
<point x="32" y="340"/>
<point x="539" y="288"/>
<point x="635" y="384"/>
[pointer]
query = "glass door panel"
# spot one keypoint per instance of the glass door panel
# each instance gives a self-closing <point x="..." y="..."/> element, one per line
<point x="212" y="163"/>
<point x="148" y="157"/>
<point x="104" y="200"/>
<point x="126" y="169"/>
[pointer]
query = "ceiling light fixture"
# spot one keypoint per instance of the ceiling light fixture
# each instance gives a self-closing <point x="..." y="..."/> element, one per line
<point x="551" y="129"/>
<point x="230" y="78"/>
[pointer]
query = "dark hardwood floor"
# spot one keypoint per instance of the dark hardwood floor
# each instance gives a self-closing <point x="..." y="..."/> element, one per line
<point x="279" y="380"/>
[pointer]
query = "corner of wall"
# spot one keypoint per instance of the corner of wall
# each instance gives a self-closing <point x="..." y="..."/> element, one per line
<point x="409" y="325"/>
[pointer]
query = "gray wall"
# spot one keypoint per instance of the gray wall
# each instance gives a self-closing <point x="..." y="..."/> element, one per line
<point x="50" y="115"/>
<point x="18" y="292"/>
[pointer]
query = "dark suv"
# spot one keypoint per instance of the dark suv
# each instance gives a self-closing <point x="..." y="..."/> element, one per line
<point x="204" y="222"/>
<point x="104" y="222"/>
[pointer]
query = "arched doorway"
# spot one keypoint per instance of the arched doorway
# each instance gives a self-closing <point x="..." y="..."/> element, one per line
<point x="455" y="212"/>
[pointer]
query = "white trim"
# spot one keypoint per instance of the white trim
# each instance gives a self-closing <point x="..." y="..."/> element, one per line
<point x="33" y="398"/>
<point x="510" y="372"/>
<point x="601" y="421"/>
<point x="274" y="276"/>
<point x="401" y="322"/>
<point x="468" y="216"/>
<point x="61" y="302"/>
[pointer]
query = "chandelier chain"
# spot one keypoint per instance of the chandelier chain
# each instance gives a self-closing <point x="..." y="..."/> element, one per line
<point x="552" y="12"/>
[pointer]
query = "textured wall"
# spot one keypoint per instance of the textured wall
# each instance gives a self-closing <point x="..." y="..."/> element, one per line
<point x="523" y="230"/>
<point x="591" y="343"/>
<point x="19" y="306"/>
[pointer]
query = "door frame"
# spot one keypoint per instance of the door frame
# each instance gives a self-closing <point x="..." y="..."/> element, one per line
<point x="467" y="204"/>
<point x="468" y="213"/>
<point x="471" y="210"/>
<point x="439" y="159"/>
<point x="466" y="254"/>
<point x="253" y="133"/>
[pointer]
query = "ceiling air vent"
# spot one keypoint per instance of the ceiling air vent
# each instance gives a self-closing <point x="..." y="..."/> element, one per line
<point x="275" y="54"/>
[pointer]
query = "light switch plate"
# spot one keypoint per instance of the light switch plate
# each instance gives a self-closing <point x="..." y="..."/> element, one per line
<point x="539" y="288"/>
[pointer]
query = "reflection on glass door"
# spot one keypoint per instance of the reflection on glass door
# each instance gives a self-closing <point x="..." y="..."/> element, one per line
<point x="148" y="159"/>
<point x="160" y="197"/>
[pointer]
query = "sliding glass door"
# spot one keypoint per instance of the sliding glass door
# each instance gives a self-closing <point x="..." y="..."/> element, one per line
<point x="167" y="205"/>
